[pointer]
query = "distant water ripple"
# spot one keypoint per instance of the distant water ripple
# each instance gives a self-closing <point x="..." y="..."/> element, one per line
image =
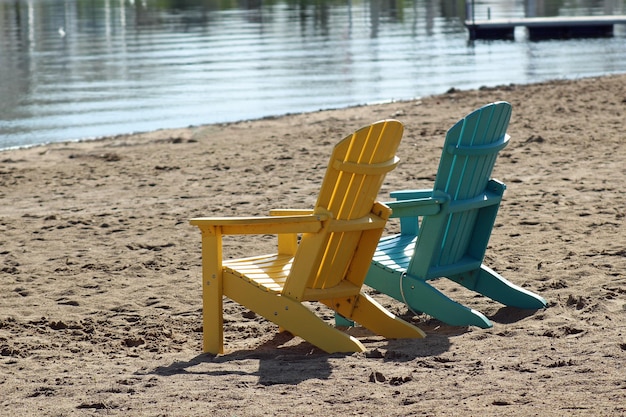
<point x="68" y="73"/>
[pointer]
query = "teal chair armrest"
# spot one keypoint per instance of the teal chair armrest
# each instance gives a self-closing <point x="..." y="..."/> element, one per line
<point x="416" y="207"/>
<point x="411" y="194"/>
<point x="412" y="204"/>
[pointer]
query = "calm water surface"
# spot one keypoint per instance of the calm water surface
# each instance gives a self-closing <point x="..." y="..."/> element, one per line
<point x="82" y="69"/>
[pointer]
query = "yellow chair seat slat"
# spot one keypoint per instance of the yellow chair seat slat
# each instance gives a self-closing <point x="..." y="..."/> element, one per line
<point x="268" y="272"/>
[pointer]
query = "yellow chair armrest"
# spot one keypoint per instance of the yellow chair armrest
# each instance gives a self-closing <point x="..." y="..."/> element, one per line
<point x="290" y="212"/>
<point x="362" y="223"/>
<point x="262" y="225"/>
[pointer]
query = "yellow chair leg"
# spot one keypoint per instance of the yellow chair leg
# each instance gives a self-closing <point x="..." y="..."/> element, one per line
<point x="369" y="313"/>
<point x="290" y="315"/>
<point x="212" y="309"/>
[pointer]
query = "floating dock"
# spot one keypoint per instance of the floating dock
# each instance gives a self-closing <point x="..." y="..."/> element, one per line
<point x="562" y="27"/>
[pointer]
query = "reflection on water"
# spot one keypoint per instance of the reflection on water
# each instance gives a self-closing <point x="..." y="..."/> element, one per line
<point x="77" y="69"/>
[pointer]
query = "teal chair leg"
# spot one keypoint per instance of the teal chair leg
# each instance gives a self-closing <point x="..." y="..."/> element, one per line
<point x="341" y="321"/>
<point x="419" y="296"/>
<point x="491" y="284"/>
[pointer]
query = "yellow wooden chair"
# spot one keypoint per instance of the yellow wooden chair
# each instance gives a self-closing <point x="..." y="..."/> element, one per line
<point x="328" y="265"/>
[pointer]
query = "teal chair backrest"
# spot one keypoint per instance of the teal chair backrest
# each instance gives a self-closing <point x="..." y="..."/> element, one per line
<point x="455" y="239"/>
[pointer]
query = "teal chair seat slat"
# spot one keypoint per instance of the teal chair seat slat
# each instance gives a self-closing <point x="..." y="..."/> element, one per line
<point x="395" y="252"/>
<point x="445" y="230"/>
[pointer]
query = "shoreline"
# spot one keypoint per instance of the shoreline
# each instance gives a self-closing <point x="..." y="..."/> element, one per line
<point x="100" y="291"/>
<point x="450" y="90"/>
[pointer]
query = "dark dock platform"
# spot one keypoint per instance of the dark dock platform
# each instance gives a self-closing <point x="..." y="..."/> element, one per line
<point x="562" y="27"/>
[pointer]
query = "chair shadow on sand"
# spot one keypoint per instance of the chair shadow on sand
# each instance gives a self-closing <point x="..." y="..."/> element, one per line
<point x="282" y="360"/>
<point x="304" y="361"/>
<point x="510" y="315"/>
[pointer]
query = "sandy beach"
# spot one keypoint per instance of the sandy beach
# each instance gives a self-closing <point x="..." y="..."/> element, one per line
<point x="100" y="291"/>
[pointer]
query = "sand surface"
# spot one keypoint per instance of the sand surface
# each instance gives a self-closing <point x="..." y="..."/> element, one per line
<point x="100" y="304"/>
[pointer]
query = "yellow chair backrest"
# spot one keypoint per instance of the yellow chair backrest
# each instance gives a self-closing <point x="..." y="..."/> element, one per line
<point x="338" y="257"/>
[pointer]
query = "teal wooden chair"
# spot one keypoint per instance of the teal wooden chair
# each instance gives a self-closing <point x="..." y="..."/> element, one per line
<point x="445" y="231"/>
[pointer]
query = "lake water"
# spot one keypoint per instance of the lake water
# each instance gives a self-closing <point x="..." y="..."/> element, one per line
<point x="75" y="69"/>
